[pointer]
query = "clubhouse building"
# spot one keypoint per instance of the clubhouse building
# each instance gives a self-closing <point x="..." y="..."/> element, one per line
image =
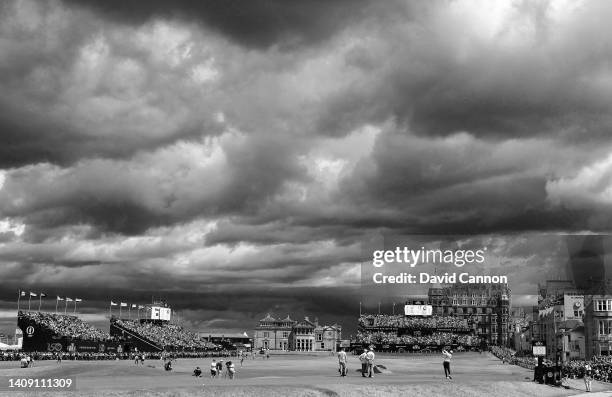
<point x="292" y="335"/>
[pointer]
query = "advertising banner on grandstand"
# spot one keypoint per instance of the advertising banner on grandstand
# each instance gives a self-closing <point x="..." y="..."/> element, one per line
<point x="417" y="310"/>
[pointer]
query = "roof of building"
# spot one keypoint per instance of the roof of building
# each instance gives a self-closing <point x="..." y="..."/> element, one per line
<point x="229" y="335"/>
<point x="305" y="323"/>
<point x="268" y="318"/>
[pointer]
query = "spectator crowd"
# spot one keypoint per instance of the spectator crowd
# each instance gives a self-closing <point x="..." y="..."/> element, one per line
<point x="601" y="367"/>
<point x="43" y="356"/>
<point x="508" y="356"/>
<point x="66" y="326"/>
<point x="165" y="335"/>
<point x="434" y="339"/>
<point x="412" y="323"/>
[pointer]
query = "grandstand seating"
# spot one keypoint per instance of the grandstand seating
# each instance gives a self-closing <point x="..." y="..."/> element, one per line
<point x="164" y="335"/>
<point x="65" y="326"/>
<point x="434" y="339"/>
<point x="374" y="321"/>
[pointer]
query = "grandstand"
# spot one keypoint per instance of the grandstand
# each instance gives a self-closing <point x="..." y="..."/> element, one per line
<point x="52" y="332"/>
<point x="59" y="332"/>
<point x="148" y="335"/>
<point x="414" y="333"/>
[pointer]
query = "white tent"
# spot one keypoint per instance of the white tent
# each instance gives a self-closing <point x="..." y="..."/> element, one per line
<point x="4" y="346"/>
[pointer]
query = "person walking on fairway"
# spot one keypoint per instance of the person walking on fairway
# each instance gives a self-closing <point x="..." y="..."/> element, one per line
<point x="446" y="363"/>
<point x="364" y="363"/>
<point x="342" y="362"/>
<point x="213" y="369"/>
<point x="588" y="376"/>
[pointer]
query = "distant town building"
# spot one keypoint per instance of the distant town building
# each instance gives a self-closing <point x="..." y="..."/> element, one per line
<point x="485" y="306"/>
<point x="598" y="325"/>
<point x="289" y="334"/>
<point x="559" y="321"/>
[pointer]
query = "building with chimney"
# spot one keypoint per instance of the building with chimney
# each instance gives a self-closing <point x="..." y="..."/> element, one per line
<point x="292" y="335"/>
<point x="486" y="307"/>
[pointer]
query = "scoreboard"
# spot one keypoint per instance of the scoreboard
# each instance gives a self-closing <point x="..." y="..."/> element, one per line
<point x="539" y="349"/>
<point x="159" y="313"/>
<point x="418" y="310"/>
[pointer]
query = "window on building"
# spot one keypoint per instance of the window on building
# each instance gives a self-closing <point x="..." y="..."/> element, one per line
<point x="319" y="337"/>
<point x="603" y="305"/>
<point x="285" y="334"/>
<point x="455" y="302"/>
<point x="266" y="334"/>
<point x="322" y="345"/>
<point x="605" y="327"/>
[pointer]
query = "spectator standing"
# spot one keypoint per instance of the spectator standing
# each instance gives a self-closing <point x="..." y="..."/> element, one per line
<point x="370" y="361"/>
<point x="231" y="370"/>
<point x="364" y="363"/>
<point x="342" y="362"/>
<point x="588" y="376"/>
<point x="213" y="368"/>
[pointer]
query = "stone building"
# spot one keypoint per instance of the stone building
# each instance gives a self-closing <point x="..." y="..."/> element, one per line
<point x="486" y="307"/>
<point x="289" y="334"/>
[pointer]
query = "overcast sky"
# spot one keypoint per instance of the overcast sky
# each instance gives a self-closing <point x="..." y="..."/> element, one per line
<point x="235" y="157"/>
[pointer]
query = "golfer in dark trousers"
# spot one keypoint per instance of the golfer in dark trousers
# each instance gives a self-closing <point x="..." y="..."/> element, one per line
<point x="447" y="358"/>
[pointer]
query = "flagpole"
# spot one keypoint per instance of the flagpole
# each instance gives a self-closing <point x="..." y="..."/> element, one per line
<point x="29" y="300"/>
<point x="18" y="299"/>
<point x="56" y="300"/>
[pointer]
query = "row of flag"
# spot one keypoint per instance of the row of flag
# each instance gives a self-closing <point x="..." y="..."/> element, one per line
<point x="43" y="295"/>
<point x="32" y="294"/>
<point x="59" y="298"/>
<point x="123" y="304"/>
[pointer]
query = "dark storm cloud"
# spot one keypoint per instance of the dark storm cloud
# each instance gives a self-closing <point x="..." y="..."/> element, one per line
<point x="204" y="146"/>
<point x="259" y="23"/>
